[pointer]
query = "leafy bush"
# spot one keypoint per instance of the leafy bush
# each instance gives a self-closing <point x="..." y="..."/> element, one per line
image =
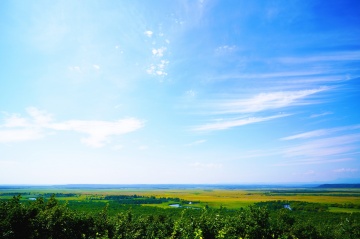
<point x="49" y="219"/>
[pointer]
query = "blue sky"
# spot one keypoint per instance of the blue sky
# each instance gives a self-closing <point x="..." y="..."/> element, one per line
<point x="179" y="91"/>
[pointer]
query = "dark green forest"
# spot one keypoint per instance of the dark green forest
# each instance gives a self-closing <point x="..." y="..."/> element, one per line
<point x="53" y="219"/>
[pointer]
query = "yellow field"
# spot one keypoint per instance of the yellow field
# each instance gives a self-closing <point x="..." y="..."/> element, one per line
<point x="217" y="197"/>
<point x="240" y="198"/>
<point x="228" y="198"/>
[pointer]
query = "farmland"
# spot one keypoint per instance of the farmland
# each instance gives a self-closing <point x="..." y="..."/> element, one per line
<point x="203" y="211"/>
<point x="338" y="199"/>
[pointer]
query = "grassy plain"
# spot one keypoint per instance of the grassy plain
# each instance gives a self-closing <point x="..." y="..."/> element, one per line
<point x="229" y="198"/>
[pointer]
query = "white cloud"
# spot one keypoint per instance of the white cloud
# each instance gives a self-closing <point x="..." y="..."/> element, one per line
<point x="323" y="150"/>
<point x="16" y="128"/>
<point x="158" y="69"/>
<point x="196" y="142"/>
<point x="160" y="73"/>
<point x="226" y="124"/>
<point x="281" y="74"/>
<point x="321" y="132"/>
<point x="158" y="52"/>
<point x="96" y="67"/>
<point x="148" y="33"/>
<point x="321" y="114"/>
<point x="334" y="56"/>
<point x="325" y="147"/>
<point x="311" y="134"/>
<point x="151" y="69"/>
<point x="40" y="118"/>
<point x="190" y="93"/>
<point x="313" y="161"/>
<point x="259" y="103"/>
<point x="346" y="170"/>
<point x="98" y="132"/>
<point x="267" y="101"/>
<point x="225" y="49"/>
<point x="13" y="121"/>
<point x="163" y="64"/>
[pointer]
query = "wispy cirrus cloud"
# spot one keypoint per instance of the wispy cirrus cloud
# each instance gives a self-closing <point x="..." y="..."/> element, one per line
<point x="230" y="123"/>
<point x="311" y="161"/>
<point x="269" y="101"/>
<point x="272" y="75"/>
<point x="322" y="146"/>
<point x="259" y="103"/>
<point x="333" y="56"/>
<point x="40" y="123"/>
<point x="325" y="146"/>
<point x="346" y="170"/>
<point x="196" y="142"/>
<point x="321" y="114"/>
<point x="321" y="132"/>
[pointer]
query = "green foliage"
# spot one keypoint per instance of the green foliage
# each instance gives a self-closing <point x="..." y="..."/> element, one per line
<point x="49" y="219"/>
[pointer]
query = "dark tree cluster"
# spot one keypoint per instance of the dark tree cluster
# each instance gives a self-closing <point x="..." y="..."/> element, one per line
<point x="136" y="199"/>
<point x="294" y="206"/>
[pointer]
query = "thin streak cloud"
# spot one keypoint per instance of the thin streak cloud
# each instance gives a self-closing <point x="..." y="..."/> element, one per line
<point x="321" y="132"/>
<point x="226" y="124"/>
<point x="270" y="101"/>
<point x="335" y="56"/>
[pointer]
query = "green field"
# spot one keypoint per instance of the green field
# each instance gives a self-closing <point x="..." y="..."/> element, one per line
<point x="338" y="200"/>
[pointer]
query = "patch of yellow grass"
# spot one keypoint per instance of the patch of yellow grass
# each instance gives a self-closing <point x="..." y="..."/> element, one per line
<point x="212" y="198"/>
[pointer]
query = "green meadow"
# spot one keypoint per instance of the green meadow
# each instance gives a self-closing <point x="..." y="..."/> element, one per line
<point x="337" y="200"/>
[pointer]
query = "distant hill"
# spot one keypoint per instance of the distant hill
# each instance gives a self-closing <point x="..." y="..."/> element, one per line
<point x="340" y="185"/>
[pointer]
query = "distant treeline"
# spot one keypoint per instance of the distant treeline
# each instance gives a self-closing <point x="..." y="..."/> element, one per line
<point x="15" y="194"/>
<point x="355" y="185"/>
<point x="345" y="205"/>
<point x="315" y="193"/>
<point x="45" y="195"/>
<point x="137" y="199"/>
<point x="59" y="195"/>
